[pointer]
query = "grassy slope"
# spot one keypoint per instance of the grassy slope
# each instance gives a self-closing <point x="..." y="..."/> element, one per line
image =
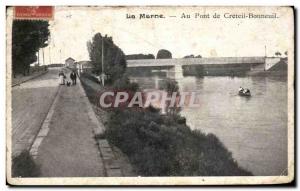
<point x="165" y="146"/>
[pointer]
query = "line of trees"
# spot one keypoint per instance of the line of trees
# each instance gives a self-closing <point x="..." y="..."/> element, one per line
<point x="139" y="56"/>
<point x="28" y="36"/>
<point x="192" y="56"/>
<point x="114" y="58"/>
<point x="161" y="54"/>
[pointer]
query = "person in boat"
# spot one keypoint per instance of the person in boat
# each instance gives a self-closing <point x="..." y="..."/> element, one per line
<point x="241" y="89"/>
<point x="246" y="91"/>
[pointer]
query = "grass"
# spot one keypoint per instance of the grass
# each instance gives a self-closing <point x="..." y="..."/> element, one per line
<point x="23" y="165"/>
<point x="160" y="146"/>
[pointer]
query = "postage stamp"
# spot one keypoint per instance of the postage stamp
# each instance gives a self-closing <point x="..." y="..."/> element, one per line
<point x="150" y="95"/>
<point x="34" y="12"/>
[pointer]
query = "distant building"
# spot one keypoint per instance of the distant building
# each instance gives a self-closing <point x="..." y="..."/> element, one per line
<point x="85" y="66"/>
<point x="70" y="62"/>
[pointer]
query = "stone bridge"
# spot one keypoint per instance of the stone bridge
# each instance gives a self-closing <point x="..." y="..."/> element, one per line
<point x="174" y="67"/>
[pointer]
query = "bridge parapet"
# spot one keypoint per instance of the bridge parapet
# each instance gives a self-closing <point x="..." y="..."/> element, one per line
<point x="195" y="61"/>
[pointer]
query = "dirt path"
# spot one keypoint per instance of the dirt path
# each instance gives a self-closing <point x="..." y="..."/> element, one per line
<point x="69" y="149"/>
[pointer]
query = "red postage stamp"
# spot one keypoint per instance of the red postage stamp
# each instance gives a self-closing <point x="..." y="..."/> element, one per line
<point x="33" y="12"/>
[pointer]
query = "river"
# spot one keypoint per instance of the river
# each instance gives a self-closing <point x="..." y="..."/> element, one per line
<point x="254" y="129"/>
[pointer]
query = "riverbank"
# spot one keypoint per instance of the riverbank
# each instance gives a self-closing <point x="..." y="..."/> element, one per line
<point x="164" y="145"/>
<point x="91" y="87"/>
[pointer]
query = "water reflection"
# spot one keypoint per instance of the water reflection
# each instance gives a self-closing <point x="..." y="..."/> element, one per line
<point x="254" y="129"/>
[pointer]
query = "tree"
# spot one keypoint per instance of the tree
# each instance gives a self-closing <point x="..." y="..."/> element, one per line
<point x="28" y="36"/>
<point x="114" y="58"/>
<point x="163" y="54"/>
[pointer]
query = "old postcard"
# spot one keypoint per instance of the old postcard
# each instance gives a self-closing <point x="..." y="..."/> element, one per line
<point x="150" y="95"/>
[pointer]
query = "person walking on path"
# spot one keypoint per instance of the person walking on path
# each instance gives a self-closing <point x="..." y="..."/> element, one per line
<point x="73" y="77"/>
<point x="62" y="78"/>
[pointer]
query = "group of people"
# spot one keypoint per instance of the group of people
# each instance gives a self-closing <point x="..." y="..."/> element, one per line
<point x="62" y="78"/>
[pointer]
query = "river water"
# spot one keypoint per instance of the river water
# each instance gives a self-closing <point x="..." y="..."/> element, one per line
<point x="254" y="129"/>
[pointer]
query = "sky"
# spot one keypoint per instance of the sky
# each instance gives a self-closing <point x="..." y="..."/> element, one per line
<point x="72" y="27"/>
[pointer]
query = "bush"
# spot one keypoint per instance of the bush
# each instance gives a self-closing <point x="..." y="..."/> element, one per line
<point x="90" y="77"/>
<point x="124" y="84"/>
<point x="160" y="146"/>
<point x="23" y="165"/>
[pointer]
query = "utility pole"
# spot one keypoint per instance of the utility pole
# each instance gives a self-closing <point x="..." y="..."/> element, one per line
<point x="102" y="62"/>
<point x="39" y="50"/>
<point x="265" y="51"/>
<point x="38" y="57"/>
<point x="49" y="40"/>
<point x="43" y="56"/>
<point x="59" y="55"/>
<point x="49" y="56"/>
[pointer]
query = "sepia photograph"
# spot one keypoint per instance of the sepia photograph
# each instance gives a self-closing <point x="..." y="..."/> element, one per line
<point x="149" y="95"/>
